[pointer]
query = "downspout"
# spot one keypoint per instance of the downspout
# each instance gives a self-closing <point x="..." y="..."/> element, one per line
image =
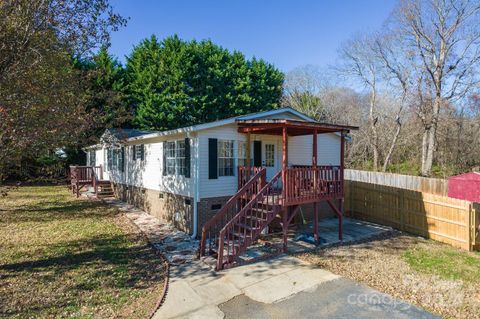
<point x="196" y="190"/>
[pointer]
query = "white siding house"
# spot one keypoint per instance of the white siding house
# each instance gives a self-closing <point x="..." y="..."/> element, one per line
<point x="173" y="180"/>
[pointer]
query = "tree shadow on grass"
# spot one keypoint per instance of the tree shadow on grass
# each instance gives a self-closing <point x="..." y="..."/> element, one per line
<point x="110" y="260"/>
<point x="55" y="211"/>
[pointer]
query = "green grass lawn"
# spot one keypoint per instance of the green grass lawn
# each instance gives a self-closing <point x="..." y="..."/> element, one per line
<point x="445" y="262"/>
<point x="64" y="257"/>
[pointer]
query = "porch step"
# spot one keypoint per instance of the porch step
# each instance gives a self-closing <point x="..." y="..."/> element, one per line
<point x="105" y="189"/>
<point x="105" y="193"/>
<point x="241" y="235"/>
<point x="248" y="227"/>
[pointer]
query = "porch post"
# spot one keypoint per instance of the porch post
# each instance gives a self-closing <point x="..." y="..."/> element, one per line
<point x="284" y="186"/>
<point x="247" y="151"/>
<point x="315" y="205"/>
<point x="284" y="160"/>
<point x="340" y="201"/>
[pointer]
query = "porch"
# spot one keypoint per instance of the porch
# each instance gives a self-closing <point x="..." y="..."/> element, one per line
<point x="259" y="202"/>
<point x="83" y="177"/>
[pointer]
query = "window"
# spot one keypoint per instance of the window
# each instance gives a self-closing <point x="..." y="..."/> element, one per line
<point x="225" y="158"/>
<point x="122" y="159"/>
<point x="175" y="161"/>
<point x="109" y="159"/>
<point x="180" y="154"/>
<point x="114" y="159"/>
<point x="170" y="158"/>
<point x="269" y="155"/>
<point x="139" y="151"/>
<point x="91" y="158"/>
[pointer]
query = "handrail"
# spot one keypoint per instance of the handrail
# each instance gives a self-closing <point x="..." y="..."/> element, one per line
<point x="231" y="207"/>
<point x="267" y="196"/>
<point x="309" y="183"/>
<point x="82" y="175"/>
<point x="245" y="173"/>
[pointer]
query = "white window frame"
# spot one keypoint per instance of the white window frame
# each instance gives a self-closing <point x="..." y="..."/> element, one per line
<point x="139" y="148"/>
<point x="225" y="156"/>
<point x="170" y="157"/>
<point x="180" y="158"/>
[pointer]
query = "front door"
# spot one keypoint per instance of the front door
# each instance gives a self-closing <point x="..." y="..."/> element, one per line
<point x="270" y="159"/>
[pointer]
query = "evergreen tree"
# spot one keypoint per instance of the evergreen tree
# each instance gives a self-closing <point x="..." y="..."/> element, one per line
<point x="106" y="88"/>
<point x="176" y="83"/>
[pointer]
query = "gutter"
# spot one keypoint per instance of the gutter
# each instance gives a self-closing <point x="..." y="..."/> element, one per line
<point x="196" y="193"/>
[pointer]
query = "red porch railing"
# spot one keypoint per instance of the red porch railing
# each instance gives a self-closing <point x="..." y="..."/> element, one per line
<point x="310" y="184"/>
<point x="245" y="173"/>
<point x="305" y="184"/>
<point x="211" y="229"/>
<point x="85" y="175"/>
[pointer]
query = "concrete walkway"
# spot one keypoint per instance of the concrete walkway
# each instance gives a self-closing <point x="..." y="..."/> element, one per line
<point x="282" y="287"/>
<point x="196" y="291"/>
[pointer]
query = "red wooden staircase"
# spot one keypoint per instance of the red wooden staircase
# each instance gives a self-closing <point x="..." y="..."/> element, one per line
<point x="245" y="227"/>
<point x="239" y="223"/>
<point x="209" y="244"/>
<point x="242" y="219"/>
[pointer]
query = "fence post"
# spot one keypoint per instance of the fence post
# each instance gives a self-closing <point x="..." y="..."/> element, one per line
<point x="471" y="231"/>
<point x="401" y="208"/>
<point x="350" y="191"/>
<point x="474" y="226"/>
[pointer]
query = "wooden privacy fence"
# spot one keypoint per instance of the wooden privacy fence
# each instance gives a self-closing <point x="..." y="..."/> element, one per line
<point x="449" y="220"/>
<point x="436" y="186"/>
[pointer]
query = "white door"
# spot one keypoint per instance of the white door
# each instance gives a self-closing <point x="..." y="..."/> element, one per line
<point x="270" y="160"/>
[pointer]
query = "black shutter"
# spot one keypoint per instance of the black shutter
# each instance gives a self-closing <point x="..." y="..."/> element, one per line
<point x="257" y="153"/>
<point x="164" y="173"/>
<point x="134" y="155"/>
<point x="212" y="158"/>
<point x="187" y="157"/>
<point x="142" y="156"/>
<point x="122" y="159"/>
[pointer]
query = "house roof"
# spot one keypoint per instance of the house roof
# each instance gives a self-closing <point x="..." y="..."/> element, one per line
<point x="259" y="117"/>
<point x="231" y="120"/>
<point x="126" y="133"/>
<point x="294" y="127"/>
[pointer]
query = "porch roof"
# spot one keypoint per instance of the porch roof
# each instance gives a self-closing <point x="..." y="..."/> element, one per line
<point x="294" y="127"/>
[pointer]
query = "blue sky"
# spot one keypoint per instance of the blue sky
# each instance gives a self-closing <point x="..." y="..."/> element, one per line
<point x="286" y="33"/>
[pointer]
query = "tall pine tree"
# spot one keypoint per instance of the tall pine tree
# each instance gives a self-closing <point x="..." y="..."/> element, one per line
<point x="175" y="83"/>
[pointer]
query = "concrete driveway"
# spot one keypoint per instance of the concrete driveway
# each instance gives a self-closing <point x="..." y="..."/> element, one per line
<point x="283" y="287"/>
<point x="339" y="298"/>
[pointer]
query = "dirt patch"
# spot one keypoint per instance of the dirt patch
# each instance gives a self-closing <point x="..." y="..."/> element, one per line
<point x="386" y="266"/>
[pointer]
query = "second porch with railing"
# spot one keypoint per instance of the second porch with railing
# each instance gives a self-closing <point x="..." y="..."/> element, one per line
<point x="83" y="177"/>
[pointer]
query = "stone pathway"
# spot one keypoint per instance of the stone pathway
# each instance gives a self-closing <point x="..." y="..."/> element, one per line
<point x="177" y="246"/>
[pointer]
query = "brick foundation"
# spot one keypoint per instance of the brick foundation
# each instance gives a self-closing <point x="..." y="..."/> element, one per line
<point x="178" y="210"/>
<point x="205" y="210"/>
<point x="167" y="207"/>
